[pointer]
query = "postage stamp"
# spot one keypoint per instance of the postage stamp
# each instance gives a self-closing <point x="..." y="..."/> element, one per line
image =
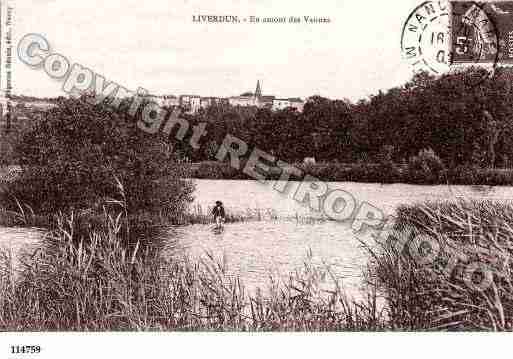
<point x="475" y="38"/>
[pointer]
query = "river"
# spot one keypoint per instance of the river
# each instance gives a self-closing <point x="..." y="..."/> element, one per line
<point x="254" y="250"/>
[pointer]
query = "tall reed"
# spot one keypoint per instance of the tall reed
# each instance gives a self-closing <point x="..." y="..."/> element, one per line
<point x="100" y="283"/>
<point x="460" y="278"/>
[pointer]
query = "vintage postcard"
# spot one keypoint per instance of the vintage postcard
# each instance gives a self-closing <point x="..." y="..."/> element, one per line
<point x="253" y="166"/>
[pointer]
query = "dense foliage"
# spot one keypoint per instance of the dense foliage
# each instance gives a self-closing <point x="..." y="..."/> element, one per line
<point x="431" y="130"/>
<point x="78" y="155"/>
<point x="462" y="123"/>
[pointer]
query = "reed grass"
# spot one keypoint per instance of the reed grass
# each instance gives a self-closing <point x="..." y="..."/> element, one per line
<point x="22" y="215"/>
<point x="440" y="294"/>
<point x="198" y="214"/>
<point x="100" y="283"/>
<point x="92" y="273"/>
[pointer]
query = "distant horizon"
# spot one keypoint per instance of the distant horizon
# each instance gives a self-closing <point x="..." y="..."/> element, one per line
<point x="16" y="94"/>
<point x="265" y="94"/>
<point x="178" y="95"/>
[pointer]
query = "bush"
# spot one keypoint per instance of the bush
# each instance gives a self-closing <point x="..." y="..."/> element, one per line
<point x="6" y="148"/>
<point x="463" y="175"/>
<point x="473" y="175"/>
<point x="426" y="167"/>
<point x="216" y="170"/>
<point x="78" y="155"/>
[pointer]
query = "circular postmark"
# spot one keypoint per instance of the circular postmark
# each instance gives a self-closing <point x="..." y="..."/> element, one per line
<point x="439" y="36"/>
<point x="425" y="37"/>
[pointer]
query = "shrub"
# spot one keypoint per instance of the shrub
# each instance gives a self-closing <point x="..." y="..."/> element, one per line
<point x="71" y="157"/>
<point x="463" y="175"/>
<point x="426" y="167"/>
<point x="473" y="175"/>
<point x="6" y="148"/>
<point x="216" y="170"/>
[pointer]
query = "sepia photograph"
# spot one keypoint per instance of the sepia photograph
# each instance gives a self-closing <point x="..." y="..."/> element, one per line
<point x="248" y="166"/>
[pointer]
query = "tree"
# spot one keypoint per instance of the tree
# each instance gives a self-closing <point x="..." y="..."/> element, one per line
<point x="74" y="156"/>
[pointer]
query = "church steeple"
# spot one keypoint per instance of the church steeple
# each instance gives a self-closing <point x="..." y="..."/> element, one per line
<point x="258" y="91"/>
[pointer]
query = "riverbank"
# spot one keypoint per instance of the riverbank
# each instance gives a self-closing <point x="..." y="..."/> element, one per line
<point x="24" y="216"/>
<point x="103" y="284"/>
<point x="364" y="173"/>
<point x="343" y="172"/>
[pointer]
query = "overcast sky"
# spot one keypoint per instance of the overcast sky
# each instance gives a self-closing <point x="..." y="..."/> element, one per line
<point x="154" y="44"/>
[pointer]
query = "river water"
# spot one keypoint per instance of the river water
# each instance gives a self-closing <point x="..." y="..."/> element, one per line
<point x="254" y="250"/>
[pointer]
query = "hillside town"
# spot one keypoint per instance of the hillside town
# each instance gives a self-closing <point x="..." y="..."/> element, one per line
<point x="191" y="104"/>
<point x="194" y="103"/>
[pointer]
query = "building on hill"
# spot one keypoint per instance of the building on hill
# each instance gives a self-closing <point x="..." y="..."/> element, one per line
<point x="248" y="99"/>
<point x="171" y="101"/>
<point x="258" y="100"/>
<point x="283" y="103"/>
<point x="20" y="108"/>
<point x="159" y="100"/>
<point x="193" y="103"/>
<point x="164" y="101"/>
<point x="207" y="102"/>
<point x="243" y="100"/>
<point x="267" y="101"/>
<point x="190" y="103"/>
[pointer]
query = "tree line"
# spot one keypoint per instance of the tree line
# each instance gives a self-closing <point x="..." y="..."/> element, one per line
<point x="464" y="123"/>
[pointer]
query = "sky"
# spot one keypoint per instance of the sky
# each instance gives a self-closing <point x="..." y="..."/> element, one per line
<point x="154" y="44"/>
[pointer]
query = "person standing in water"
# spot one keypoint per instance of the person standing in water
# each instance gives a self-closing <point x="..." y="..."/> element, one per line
<point x="219" y="214"/>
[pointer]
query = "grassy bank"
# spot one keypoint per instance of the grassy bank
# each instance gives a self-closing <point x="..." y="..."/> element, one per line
<point x="198" y="214"/>
<point x="107" y="281"/>
<point x="366" y="172"/>
<point x="323" y="171"/>
<point x="22" y="215"/>
<point x="455" y="272"/>
<point x="101" y="284"/>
